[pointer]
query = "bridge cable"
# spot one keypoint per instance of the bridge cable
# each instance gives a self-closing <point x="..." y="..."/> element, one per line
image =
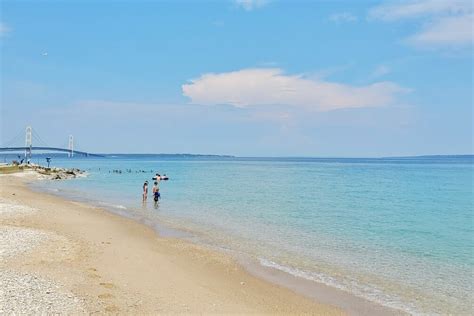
<point x="38" y="142"/>
<point x="39" y="139"/>
<point x="15" y="140"/>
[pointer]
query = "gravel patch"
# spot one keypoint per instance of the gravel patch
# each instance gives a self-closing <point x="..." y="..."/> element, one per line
<point x="16" y="240"/>
<point x="28" y="293"/>
<point x="25" y="293"/>
<point x="11" y="208"/>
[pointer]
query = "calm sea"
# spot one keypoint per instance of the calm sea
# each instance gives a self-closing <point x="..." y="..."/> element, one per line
<point x="398" y="232"/>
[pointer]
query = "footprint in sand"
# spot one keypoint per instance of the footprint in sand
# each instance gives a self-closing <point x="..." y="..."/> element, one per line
<point x="105" y="296"/>
<point x="108" y="285"/>
<point x="112" y="308"/>
<point x="91" y="273"/>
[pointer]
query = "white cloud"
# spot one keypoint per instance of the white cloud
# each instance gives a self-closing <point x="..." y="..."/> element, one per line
<point x="342" y="17"/>
<point x="250" y="4"/>
<point x="454" y="30"/>
<point x="418" y="8"/>
<point x="4" y="29"/>
<point x="269" y="86"/>
<point x="447" y="23"/>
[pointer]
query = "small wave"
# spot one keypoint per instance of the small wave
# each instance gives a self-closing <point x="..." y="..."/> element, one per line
<point x="119" y="206"/>
<point x="369" y="293"/>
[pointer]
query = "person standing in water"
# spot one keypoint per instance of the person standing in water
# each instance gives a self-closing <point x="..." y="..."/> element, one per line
<point x="145" y="190"/>
<point x="156" y="192"/>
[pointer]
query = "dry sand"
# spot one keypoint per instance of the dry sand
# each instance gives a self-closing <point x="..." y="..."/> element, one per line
<point x="63" y="256"/>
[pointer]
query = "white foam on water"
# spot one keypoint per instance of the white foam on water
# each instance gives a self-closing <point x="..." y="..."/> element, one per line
<point x="119" y="206"/>
<point x="351" y="286"/>
<point x="85" y="174"/>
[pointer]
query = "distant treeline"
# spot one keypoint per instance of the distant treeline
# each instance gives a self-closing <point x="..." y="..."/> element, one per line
<point x="8" y="156"/>
<point x="170" y="155"/>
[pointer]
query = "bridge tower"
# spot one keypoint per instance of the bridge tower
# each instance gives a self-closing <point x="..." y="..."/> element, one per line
<point x="71" y="146"/>
<point x="28" y="142"/>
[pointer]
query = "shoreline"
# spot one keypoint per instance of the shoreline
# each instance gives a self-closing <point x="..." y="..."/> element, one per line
<point x="116" y="265"/>
<point x="310" y="297"/>
<point x="317" y="291"/>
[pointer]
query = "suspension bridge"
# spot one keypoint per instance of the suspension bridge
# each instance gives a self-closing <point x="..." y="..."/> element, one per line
<point x="31" y="135"/>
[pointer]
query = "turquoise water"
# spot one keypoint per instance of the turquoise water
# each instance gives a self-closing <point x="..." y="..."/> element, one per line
<point x="398" y="232"/>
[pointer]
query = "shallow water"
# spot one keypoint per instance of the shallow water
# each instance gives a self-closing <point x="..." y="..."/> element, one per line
<point x="398" y="232"/>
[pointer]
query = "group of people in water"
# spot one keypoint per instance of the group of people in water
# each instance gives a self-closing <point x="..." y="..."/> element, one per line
<point x="128" y="171"/>
<point x="156" y="187"/>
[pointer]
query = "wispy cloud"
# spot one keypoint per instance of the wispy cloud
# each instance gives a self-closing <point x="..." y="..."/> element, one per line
<point x="396" y="10"/>
<point x="379" y="71"/>
<point x="453" y="30"/>
<point x="251" y="4"/>
<point x="446" y="23"/>
<point x="271" y="87"/>
<point x="4" y="30"/>
<point x="342" y="17"/>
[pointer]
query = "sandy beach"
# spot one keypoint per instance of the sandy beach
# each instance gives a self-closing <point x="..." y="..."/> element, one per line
<point x="237" y="157"/>
<point x="60" y="256"/>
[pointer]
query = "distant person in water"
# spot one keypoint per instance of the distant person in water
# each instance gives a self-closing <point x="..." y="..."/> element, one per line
<point x="145" y="190"/>
<point x="159" y="177"/>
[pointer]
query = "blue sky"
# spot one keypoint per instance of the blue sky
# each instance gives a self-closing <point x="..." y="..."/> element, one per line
<point x="248" y="77"/>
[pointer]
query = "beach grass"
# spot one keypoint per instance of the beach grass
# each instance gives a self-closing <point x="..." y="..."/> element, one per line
<point x="8" y="169"/>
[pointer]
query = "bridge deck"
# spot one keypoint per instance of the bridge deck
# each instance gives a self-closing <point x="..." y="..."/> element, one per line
<point x="57" y="149"/>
